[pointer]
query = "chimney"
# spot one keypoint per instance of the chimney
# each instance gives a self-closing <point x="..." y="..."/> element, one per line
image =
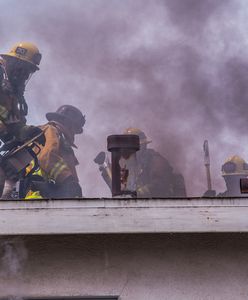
<point x="124" y="164"/>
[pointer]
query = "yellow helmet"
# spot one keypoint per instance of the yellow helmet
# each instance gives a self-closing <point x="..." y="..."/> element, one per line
<point x="235" y="165"/>
<point x="27" y="52"/>
<point x="140" y="133"/>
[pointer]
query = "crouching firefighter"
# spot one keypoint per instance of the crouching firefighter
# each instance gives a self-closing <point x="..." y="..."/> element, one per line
<point x="15" y="156"/>
<point x="57" y="176"/>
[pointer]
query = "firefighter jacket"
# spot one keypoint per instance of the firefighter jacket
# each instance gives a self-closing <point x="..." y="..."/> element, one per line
<point x="12" y="111"/>
<point x="156" y="177"/>
<point x="57" y="159"/>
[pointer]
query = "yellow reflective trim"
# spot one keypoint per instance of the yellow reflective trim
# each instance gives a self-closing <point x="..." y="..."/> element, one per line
<point x="33" y="195"/>
<point x="57" y="169"/>
<point x="38" y="172"/>
<point x="3" y="112"/>
<point x="29" y="167"/>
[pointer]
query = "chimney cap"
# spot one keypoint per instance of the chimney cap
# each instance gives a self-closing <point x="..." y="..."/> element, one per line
<point x="123" y="141"/>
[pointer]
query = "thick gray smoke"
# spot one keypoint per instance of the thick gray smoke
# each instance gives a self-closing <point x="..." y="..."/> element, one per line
<point x="13" y="259"/>
<point x="191" y="16"/>
<point x="175" y="68"/>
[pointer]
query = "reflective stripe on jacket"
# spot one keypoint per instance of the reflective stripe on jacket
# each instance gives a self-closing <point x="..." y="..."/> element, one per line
<point x="33" y="195"/>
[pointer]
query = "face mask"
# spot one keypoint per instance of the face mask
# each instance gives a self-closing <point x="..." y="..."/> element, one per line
<point x="19" y="75"/>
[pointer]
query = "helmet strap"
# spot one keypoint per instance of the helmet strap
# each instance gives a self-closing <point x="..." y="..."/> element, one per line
<point x="67" y="133"/>
<point x="23" y="105"/>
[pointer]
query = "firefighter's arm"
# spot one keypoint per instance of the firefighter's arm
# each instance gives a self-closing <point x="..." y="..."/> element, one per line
<point x="26" y="132"/>
<point x="6" y="90"/>
<point x="49" y="159"/>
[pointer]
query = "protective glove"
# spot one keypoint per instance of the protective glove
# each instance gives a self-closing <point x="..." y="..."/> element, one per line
<point x="209" y="193"/>
<point x="29" y="132"/>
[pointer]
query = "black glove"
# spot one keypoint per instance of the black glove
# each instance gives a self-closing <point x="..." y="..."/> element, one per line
<point x="29" y="132"/>
<point x="209" y="193"/>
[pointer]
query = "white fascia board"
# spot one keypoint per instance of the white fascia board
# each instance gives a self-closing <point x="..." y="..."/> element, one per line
<point x="107" y="216"/>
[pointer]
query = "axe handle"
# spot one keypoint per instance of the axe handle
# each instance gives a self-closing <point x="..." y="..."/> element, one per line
<point x="208" y="177"/>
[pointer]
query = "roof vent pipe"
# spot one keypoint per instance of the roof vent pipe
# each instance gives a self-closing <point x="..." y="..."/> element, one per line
<point x="123" y="150"/>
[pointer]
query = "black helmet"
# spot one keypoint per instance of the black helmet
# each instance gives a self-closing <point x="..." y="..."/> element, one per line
<point x="70" y="115"/>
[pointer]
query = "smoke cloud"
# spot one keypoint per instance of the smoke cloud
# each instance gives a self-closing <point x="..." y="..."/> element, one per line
<point x="176" y="69"/>
<point x="13" y="258"/>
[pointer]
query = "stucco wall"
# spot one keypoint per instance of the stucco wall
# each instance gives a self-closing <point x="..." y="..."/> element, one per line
<point x="136" y="267"/>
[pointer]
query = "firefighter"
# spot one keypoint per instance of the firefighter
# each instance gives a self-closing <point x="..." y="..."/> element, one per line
<point x="155" y="175"/>
<point x="57" y="175"/>
<point x="16" y="68"/>
<point x="233" y="169"/>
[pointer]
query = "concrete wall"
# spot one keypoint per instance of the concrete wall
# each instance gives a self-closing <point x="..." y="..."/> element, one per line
<point x="135" y="267"/>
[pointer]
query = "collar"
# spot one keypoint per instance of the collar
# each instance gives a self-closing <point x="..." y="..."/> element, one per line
<point x="68" y="135"/>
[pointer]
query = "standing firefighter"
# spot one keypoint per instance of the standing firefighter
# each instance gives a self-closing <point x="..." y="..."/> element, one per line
<point x="155" y="176"/>
<point x="16" y="68"/>
<point x="233" y="169"/>
<point x="57" y="176"/>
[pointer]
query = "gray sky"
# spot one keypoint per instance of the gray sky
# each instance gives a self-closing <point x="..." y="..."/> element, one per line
<point x="178" y="69"/>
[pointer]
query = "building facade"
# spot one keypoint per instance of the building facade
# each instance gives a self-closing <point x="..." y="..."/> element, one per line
<point x="124" y="249"/>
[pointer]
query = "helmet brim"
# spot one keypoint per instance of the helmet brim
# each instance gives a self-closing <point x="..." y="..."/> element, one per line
<point x="22" y="59"/>
<point x="53" y="116"/>
<point x="233" y="174"/>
